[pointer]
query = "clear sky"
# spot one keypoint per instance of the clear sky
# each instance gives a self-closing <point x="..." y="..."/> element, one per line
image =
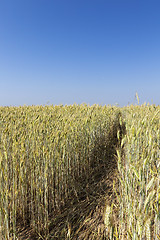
<point x="79" y="51"/>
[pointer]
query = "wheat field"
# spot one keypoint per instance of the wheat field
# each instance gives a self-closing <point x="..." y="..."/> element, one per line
<point x="80" y="172"/>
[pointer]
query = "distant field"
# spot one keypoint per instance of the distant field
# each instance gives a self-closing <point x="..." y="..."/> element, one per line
<point x="80" y="172"/>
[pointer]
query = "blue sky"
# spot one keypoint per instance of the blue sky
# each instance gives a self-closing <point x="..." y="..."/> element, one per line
<point x="79" y="51"/>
